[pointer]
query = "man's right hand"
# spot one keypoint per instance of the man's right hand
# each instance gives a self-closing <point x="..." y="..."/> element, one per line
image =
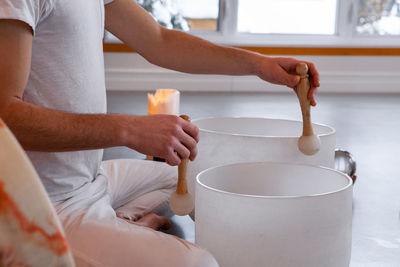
<point x="165" y="136"/>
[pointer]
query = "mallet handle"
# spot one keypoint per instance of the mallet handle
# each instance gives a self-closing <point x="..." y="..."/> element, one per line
<point x="181" y="187"/>
<point x="302" y="91"/>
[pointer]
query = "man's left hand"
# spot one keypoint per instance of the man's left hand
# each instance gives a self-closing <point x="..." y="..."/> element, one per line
<point x="282" y="71"/>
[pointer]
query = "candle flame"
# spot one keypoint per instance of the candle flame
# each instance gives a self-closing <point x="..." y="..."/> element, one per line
<point x="164" y="101"/>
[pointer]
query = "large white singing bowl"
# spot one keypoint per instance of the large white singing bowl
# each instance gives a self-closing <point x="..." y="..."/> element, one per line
<point x="274" y="214"/>
<point x="233" y="140"/>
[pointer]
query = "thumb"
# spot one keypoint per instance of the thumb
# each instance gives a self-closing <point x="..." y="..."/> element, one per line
<point x="290" y="80"/>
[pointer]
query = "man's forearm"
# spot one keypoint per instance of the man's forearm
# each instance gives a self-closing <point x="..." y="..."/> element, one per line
<point x="42" y="129"/>
<point x="187" y="53"/>
<point x="175" y="49"/>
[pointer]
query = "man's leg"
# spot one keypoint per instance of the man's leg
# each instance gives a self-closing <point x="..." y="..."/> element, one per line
<point x="124" y="244"/>
<point x="99" y="238"/>
<point x="139" y="187"/>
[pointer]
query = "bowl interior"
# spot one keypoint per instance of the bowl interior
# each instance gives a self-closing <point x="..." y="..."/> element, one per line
<point x="258" y="127"/>
<point x="273" y="180"/>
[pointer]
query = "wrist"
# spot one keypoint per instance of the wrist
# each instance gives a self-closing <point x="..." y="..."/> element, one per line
<point x="120" y="130"/>
<point x="258" y="63"/>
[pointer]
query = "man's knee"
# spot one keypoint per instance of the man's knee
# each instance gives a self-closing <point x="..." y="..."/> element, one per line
<point x="198" y="257"/>
<point x="205" y="260"/>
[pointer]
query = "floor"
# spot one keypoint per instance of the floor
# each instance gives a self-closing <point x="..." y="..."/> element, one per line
<point x="368" y="126"/>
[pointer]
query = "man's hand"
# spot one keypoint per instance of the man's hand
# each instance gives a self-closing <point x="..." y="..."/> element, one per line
<point x="282" y="71"/>
<point x="165" y="136"/>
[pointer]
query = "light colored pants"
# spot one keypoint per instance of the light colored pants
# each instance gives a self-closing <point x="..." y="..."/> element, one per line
<point x="129" y="188"/>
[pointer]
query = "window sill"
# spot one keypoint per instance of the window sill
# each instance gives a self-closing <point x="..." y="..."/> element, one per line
<point x="274" y="50"/>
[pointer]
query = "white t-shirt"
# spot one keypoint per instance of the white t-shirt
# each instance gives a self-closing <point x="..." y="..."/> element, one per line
<point x="67" y="74"/>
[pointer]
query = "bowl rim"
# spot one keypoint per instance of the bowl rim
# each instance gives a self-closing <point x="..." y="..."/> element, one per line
<point x="346" y="187"/>
<point x="331" y="132"/>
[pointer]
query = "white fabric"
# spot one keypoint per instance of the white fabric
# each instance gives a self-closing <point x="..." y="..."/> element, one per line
<point x="67" y="73"/>
<point x="30" y="12"/>
<point x="99" y="238"/>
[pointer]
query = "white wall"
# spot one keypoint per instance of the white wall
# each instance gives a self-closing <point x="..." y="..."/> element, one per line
<point x="351" y="74"/>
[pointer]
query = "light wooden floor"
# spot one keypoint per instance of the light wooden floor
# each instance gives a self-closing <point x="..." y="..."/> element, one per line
<point x="367" y="125"/>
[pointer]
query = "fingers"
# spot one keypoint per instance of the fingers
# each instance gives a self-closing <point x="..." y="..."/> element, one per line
<point x="172" y="158"/>
<point x="185" y="142"/>
<point x="186" y="147"/>
<point x="191" y="130"/>
<point x="311" y="96"/>
<point x="190" y="145"/>
<point x="178" y="151"/>
<point x="313" y="75"/>
<point x="285" y="78"/>
<point x="189" y="138"/>
<point x="314" y="82"/>
<point x="292" y="80"/>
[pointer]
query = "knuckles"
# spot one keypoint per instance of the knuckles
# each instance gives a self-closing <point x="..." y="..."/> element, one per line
<point x="196" y="131"/>
<point x="192" y="145"/>
<point x="166" y="149"/>
<point x="186" y="154"/>
<point x="175" y="130"/>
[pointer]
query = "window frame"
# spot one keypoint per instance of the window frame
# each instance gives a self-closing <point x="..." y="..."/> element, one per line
<point x="345" y="36"/>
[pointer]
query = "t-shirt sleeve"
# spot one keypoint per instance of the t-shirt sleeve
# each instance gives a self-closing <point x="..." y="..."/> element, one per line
<point x="28" y="11"/>
<point x="107" y="1"/>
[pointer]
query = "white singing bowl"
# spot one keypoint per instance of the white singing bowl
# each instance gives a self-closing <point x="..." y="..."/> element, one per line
<point x="274" y="214"/>
<point x="233" y="140"/>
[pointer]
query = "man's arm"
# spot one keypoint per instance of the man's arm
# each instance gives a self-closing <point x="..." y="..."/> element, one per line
<point x="41" y="129"/>
<point x="186" y="53"/>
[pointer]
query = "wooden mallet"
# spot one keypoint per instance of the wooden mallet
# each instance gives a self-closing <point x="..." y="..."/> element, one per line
<point x="181" y="201"/>
<point x="308" y="143"/>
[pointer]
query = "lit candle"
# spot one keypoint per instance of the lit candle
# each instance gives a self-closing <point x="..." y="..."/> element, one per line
<point x="164" y="101"/>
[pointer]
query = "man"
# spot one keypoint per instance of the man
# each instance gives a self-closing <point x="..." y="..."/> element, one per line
<point x="52" y="96"/>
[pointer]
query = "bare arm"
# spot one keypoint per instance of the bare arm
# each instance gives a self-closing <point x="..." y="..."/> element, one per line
<point x="41" y="129"/>
<point x="169" y="48"/>
<point x="183" y="52"/>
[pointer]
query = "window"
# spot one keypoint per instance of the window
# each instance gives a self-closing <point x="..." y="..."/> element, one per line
<point x="287" y="16"/>
<point x="201" y="15"/>
<point x="358" y="23"/>
<point x="184" y="14"/>
<point x="379" y="17"/>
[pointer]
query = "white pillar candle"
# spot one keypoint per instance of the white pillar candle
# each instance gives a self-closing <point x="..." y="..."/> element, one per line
<point x="164" y="101"/>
